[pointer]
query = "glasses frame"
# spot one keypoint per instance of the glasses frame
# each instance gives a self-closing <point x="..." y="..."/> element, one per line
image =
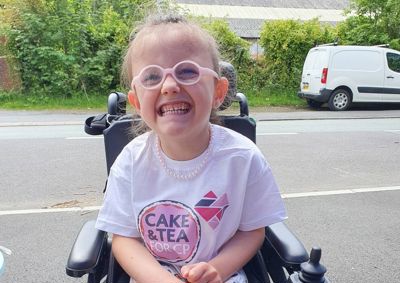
<point x="171" y="71"/>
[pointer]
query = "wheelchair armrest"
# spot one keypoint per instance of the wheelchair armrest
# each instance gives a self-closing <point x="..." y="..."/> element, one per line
<point x="285" y="244"/>
<point x="87" y="251"/>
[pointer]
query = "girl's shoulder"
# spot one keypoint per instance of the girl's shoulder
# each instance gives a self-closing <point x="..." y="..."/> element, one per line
<point x="138" y="146"/>
<point x="227" y="137"/>
<point x="141" y="140"/>
<point x="231" y="143"/>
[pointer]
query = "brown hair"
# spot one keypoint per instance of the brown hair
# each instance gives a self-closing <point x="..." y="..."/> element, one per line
<point x="158" y="21"/>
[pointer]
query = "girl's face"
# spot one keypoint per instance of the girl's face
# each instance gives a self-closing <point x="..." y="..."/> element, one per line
<point x="174" y="110"/>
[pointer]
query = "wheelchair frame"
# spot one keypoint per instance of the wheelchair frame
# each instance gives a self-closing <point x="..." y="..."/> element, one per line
<point x="280" y="255"/>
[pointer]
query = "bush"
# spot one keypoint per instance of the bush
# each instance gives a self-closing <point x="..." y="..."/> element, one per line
<point x="65" y="47"/>
<point x="252" y="74"/>
<point x="232" y="48"/>
<point x="286" y="43"/>
<point x="235" y="50"/>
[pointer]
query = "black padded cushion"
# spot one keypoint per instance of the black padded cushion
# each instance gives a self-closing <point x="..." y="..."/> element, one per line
<point x="86" y="251"/>
<point x="286" y="244"/>
<point x="228" y="71"/>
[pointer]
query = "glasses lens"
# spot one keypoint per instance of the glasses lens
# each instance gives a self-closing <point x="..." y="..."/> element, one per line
<point x="151" y="76"/>
<point x="187" y="72"/>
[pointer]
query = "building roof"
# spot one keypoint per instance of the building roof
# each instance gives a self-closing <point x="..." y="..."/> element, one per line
<point x="246" y="17"/>
<point x="310" y="4"/>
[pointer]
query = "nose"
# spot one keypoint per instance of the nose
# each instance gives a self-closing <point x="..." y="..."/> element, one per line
<point x="170" y="85"/>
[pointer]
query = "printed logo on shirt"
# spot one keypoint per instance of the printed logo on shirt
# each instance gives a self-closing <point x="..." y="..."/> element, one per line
<point x="170" y="230"/>
<point x="212" y="208"/>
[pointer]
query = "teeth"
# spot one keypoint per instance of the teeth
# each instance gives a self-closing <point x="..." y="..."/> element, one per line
<point x="179" y="108"/>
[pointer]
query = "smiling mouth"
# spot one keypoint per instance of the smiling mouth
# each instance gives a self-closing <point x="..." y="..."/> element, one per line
<point x="174" y="109"/>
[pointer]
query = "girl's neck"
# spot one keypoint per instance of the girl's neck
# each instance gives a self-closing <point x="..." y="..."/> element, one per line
<point x="186" y="148"/>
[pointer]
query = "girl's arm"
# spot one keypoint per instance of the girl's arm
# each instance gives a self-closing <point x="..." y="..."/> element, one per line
<point x="231" y="258"/>
<point x="137" y="261"/>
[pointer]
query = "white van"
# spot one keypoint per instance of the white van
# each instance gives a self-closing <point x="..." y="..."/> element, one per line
<point x="341" y="75"/>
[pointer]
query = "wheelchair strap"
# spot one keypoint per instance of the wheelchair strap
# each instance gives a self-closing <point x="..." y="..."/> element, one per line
<point x="95" y="125"/>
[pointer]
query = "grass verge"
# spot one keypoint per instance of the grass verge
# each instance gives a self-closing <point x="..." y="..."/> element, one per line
<point x="274" y="97"/>
<point x="19" y="101"/>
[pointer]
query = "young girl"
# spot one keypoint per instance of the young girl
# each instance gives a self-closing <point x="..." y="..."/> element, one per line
<point x="188" y="200"/>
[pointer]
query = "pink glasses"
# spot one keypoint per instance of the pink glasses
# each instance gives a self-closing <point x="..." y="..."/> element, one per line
<point x="185" y="73"/>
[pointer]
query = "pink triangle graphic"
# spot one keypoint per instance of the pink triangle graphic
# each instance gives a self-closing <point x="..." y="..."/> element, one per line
<point x="213" y="223"/>
<point x="222" y="201"/>
<point x="219" y="214"/>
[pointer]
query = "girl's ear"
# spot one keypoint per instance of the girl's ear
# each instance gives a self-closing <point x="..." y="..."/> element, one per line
<point x="221" y="89"/>
<point x="133" y="100"/>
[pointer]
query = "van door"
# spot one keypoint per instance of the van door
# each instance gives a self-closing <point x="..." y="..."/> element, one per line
<point x="316" y="60"/>
<point x="362" y="70"/>
<point x="392" y="78"/>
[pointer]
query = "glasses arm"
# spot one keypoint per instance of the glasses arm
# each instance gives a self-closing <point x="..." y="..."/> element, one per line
<point x="207" y="71"/>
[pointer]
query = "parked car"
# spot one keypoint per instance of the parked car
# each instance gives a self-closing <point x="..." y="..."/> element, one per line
<point x="341" y="75"/>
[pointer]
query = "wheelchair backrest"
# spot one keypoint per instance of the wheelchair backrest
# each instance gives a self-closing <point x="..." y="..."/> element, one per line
<point x="119" y="133"/>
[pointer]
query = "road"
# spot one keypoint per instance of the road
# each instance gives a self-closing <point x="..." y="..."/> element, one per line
<point x="338" y="172"/>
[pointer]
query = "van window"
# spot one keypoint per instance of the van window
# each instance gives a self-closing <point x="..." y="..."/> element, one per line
<point x="357" y="60"/>
<point x="316" y="59"/>
<point x="393" y="61"/>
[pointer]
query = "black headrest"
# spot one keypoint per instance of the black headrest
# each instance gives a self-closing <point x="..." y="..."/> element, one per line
<point x="228" y="71"/>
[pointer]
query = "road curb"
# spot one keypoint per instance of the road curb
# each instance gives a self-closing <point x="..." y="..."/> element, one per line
<point x="27" y="124"/>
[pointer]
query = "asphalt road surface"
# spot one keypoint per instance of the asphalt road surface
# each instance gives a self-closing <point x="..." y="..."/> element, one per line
<point x="338" y="172"/>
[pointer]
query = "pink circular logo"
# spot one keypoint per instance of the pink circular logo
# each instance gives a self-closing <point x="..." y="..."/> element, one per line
<point x="170" y="230"/>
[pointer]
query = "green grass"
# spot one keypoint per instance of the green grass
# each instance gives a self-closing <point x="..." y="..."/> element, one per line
<point x="20" y="101"/>
<point x="17" y="100"/>
<point x="274" y="97"/>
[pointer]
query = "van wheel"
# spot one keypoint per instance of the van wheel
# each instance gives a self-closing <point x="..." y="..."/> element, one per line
<point x="313" y="103"/>
<point x="340" y="100"/>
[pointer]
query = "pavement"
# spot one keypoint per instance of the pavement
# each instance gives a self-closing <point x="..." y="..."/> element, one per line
<point x="13" y="118"/>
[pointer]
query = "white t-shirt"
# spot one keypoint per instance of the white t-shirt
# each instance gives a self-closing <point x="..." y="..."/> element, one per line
<point x="187" y="221"/>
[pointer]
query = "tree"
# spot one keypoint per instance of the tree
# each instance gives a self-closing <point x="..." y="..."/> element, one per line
<point x="372" y="22"/>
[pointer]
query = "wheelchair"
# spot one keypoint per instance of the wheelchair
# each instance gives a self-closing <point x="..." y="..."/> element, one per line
<point x="282" y="257"/>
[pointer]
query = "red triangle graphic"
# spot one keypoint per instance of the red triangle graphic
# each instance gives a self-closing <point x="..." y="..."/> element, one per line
<point x="206" y="212"/>
<point x="210" y="194"/>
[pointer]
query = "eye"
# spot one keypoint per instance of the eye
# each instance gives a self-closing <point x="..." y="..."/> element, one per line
<point x="151" y="77"/>
<point x="187" y="72"/>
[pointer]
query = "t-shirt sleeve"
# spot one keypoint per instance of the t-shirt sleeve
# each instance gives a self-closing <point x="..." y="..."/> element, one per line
<point x="263" y="204"/>
<point x="117" y="214"/>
